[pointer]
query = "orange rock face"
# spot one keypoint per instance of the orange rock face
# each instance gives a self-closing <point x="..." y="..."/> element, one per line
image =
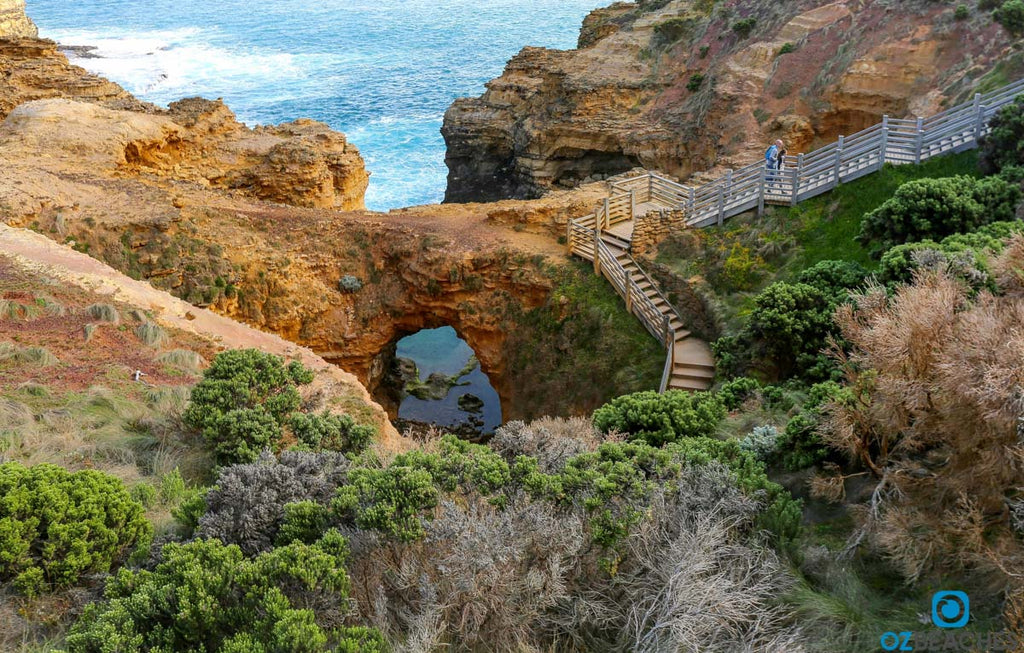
<point x="676" y="88"/>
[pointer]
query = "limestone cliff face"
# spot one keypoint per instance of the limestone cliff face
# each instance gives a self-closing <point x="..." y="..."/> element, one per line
<point x="13" y="21"/>
<point x="676" y="88"/>
<point x="303" y="163"/>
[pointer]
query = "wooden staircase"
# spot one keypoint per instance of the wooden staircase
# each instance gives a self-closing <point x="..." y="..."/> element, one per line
<point x="690" y="364"/>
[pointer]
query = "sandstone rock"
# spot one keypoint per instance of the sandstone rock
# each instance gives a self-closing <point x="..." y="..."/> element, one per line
<point x="554" y="119"/>
<point x="13" y="21"/>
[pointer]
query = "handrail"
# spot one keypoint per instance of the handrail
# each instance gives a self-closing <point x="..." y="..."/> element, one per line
<point x="894" y="140"/>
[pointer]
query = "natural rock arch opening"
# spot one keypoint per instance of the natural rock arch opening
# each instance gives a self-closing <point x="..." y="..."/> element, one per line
<point x="433" y="378"/>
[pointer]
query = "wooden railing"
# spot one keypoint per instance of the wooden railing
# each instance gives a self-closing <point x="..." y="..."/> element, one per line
<point x="896" y="141"/>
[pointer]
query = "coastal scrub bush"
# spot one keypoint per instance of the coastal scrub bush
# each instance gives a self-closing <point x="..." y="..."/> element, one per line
<point x="835" y="279"/>
<point x="962" y="12"/>
<point x="787" y="48"/>
<point x="733" y="393"/>
<point x="332" y="432"/>
<point x="789" y="324"/>
<point x="763" y="442"/>
<point x="744" y="27"/>
<point x="659" y="418"/>
<point x="205" y="596"/>
<point x="350" y="284"/>
<point x="1003" y="147"/>
<point x="247" y="505"/>
<point x="695" y="82"/>
<point x="242" y="401"/>
<point x="390" y="501"/>
<point x="1011" y="16"/>
<point x="937" y="207"/>
<point x="674" y="29"/>
<point x="800" y="445"/>
<point x="57" y="526"/>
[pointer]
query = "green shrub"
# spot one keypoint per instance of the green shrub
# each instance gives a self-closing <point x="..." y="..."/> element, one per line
<point x="935" y="208"/>
<point x="391" y="501"/>
<point x="961" y="12"/>
<point x="242" y="401"/>
<point x="762" y="442"/>
<point x="243" y="434"/>
<point x="789" y="324"/>
<point x="56" y="526"/>
<point x="1011" y="17"/>
<point x="204" y="596"/>
<point x="661" y="418"/>
<point x="1002" y="147"/>
<point x="736" y="391"/>
<point x="674" y="29"/>
<point x="304" y="521"/>
<point x="703" y="52"/>
<point x="744" y="27"/>
<point x="786" y="48"/>
<point x="835" y="279"/>
<point x="741" y="270"/>
<point x="696" y="81"/>
<point x="800" y="446"/>
<point x="333" y="432"/>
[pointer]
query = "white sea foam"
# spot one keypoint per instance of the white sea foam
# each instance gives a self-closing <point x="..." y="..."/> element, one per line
<point x="165" y="65"/>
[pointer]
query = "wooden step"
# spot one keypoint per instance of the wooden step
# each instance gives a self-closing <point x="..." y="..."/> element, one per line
<point x="684" y="370"/>
<point x="687" y="384"/>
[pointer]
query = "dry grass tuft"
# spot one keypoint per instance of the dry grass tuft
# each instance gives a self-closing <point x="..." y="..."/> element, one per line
<point x="184" y="360"/>
<point x="103" y="313"/>
<point x="26" y="355"/>
<point x="151" y="334"/>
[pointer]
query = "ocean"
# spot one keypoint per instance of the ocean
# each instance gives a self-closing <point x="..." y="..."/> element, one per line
<point x="382" y="71"/>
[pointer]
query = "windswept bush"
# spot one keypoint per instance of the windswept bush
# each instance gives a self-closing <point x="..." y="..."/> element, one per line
<point x="835" y="279"/>
<point x="57" y="526"/>
<point x="935" y="208"/>
<point x="205" y="596"/>
<point x="1011" y="16"/>
<point x="243" y="400"/>
<point x="332" y="432"/>
<point x="247" y="505"/>
<point x="1002" y="147"/>
<point x="789" y="325"/>
<point x="933" y="414"/>
<point x="659" y="418"/>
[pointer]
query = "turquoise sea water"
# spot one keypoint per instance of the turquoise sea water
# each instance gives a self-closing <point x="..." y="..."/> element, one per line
<point x="441" y="350"/>
<point x="382" y="71"/>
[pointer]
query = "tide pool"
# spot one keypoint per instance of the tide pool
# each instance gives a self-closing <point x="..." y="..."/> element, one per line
<point x="383" y="72"/>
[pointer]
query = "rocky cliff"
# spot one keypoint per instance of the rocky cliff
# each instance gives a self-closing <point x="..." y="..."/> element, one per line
<point x="686" y="85"/>
<point x="13" y="21"/>
<point x="195" y="141"/>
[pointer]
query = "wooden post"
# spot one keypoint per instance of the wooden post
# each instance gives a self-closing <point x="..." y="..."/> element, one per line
<point x="597" y="251"/>
<point x="920" y="140"/>
<point x="838" y="168"/>
<point x="979" y="123"/>
<point x="721" y="204"/>
<point x="667" y="330"/>
<point x="979" y="113"/>
<point x="632" y="205"/>
<point x="885" y="142"/>
<point x="728" y="183"/>
<point x="796" y="178"/>
<point x="568" y="237"/>
<point x="650" y="187"/>
<point x="629" y="292"/>
<point x="691" y="200"/>
<point x="760" y="190"/>
<point x="607" y="219"/>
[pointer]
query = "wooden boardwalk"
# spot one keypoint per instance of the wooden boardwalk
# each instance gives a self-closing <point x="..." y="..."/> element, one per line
<point x="605" y="236"/>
